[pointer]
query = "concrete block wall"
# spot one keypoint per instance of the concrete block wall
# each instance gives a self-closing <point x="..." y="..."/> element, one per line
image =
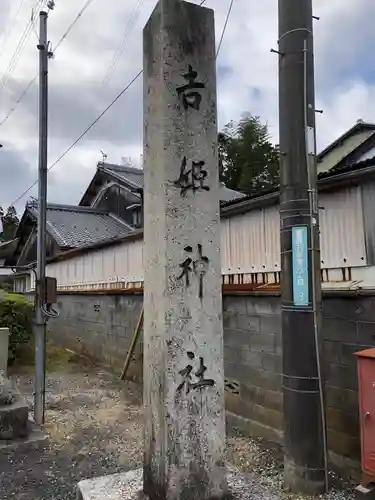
<point x="253" y="365"/>
<point x="348" y="327"/>
<point x="103" y="325"/>
<point x="100" y="326"/>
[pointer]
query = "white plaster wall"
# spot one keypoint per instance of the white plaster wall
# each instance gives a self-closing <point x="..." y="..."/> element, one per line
<point x="249" y="244"/>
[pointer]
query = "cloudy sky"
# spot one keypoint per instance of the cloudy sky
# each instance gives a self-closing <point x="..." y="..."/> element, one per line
<point x="83" y="81"/>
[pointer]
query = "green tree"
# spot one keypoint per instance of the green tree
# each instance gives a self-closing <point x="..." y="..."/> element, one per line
<point x="248" y="161"/>
<point x="10" y="223"/>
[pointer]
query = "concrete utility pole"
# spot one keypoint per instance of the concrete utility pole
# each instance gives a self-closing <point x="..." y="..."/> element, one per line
<point x="304" y="421"/>
<point x="40" y="320"/>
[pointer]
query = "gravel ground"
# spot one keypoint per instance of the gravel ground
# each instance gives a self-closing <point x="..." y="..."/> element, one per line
<point x="94" y="428"/>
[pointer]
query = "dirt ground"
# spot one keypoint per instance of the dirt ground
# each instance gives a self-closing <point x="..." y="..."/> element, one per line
<point x="94" y="428"/>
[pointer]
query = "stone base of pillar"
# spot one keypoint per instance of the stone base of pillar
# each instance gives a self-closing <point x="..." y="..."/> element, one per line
<point x="35" y="440"/>
<point x="17" y="430"/>
<point x="4" y="345"/>
<point x="129" y="486"/>
<point x="303" y="480"/>
<point x="14" y="420"/>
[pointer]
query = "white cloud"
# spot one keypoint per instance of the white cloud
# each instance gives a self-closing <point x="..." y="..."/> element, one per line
<point x="343" y="37"/>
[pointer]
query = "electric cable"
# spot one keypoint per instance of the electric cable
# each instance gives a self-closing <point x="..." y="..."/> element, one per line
<point x="49" y="311"/>
<point x="19" y="49"/>
<point x="83" y="134"/>
<point x="120" y="47"/>
<point x="33" y="80"/>
<point x="71" y="26"/>
<point x="22" y="95"/>
<point x="225" y="26"/>
<point x="313" y="209"/>
<point x="5" y="36"/>
<point x="107" y="109"/>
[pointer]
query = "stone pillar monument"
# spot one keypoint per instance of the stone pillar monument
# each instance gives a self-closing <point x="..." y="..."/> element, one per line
<point x="4" y="345"/>
<point x="183" y="335"/>
<point x="13" y="408"/>
<point x="183" y="379"/>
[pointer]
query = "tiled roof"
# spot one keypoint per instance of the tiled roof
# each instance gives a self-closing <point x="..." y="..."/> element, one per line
<point x="127" y="174"/>
<point x="369" y="162"/>
<point x="345" y="169"/>
<point x="271" y="195"/>
<point x="135" y="177"/>
<point x="73" y="227"/>
<point x="357" y="127"/>
<point x="7" y="247"/>
<point x="227" y="194"/>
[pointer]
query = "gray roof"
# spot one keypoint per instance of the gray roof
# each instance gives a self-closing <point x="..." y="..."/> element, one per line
<point x="135" y="177"/>
<point x="126" y="174"/>
<point x="357" y="127"/>
<point x="7" y="247"/>
<point x="73" y="227"/>
<point x="227" y="194"/>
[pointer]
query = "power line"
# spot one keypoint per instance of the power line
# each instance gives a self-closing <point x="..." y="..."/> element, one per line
<point x="31" y="82"/>
<point x="83" y="133"/>
<point x="19" y="49"/>
<point x="120" y="48"/>
<point x="109" y="107"/>
<point x="72" y="24"/>
<point x="97" y="119"/>
<point x="225" y="27"/>
<point x="111" y="68"/>
<point x="22" y="95"/>
<point x="4" y="39"/>
<point x="14" y="59"/>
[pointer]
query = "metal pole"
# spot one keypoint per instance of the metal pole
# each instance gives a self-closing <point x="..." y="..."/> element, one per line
<point x="303" y="401"/>
<point x="40" y="324"/>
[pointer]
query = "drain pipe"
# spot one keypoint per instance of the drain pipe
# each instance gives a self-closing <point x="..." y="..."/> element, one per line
<point x="309" y="132"/>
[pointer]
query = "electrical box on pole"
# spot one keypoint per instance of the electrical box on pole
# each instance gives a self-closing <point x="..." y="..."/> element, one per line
<point x="50" y="290"/>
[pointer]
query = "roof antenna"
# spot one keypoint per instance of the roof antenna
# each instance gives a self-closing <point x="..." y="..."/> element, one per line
<point x="104" y="156"/>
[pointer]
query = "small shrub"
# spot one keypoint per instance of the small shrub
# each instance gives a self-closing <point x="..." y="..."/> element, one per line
<point x="16" y="313"/>
<point x="7" y="287"/>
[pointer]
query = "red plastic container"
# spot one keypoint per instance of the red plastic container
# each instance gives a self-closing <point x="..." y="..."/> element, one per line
<point x="366" y="396"/>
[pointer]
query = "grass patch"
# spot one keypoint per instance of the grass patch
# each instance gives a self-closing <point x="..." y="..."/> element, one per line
<point x="57" y="358"/>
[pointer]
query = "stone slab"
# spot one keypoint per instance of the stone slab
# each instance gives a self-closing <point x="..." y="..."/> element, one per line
<point x="365" y="492"/>
<point x="7" y="391"/>
<point x="129" y="486"/>
<point x="14" y="420"/>
<point x="35" y="440"/>
<point x="4" y="345"/>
